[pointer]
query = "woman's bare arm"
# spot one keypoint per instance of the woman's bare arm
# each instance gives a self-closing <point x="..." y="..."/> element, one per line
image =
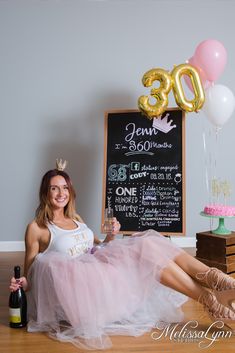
<point x="32" y="236"/>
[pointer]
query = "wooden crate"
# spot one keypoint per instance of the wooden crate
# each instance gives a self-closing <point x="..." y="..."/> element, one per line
<point x="217" y="251"/>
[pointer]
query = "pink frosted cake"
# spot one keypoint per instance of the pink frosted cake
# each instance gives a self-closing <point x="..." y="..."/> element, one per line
<point x="219" y="210"/>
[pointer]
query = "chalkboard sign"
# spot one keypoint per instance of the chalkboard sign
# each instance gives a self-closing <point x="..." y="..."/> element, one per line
<point x="144" y="171"/>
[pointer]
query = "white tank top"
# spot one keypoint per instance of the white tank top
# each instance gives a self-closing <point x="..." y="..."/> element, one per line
<point x="73" y="242"/>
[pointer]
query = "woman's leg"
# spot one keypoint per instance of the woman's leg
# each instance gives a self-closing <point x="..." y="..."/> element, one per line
<point x="175" y="277"/>
<point x="209" y="276"/>
<point x="223" y="286"/>
<point x="190" y="265"/>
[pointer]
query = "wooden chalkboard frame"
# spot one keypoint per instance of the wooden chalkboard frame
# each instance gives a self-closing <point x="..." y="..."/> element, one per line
<point x="183" y="211"/>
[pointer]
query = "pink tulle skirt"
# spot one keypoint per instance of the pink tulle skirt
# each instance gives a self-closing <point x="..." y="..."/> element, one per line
<point x="115" y="291"/>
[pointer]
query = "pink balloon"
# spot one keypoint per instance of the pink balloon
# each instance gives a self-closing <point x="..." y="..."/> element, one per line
<point x="206" y="84"/>
<point x="211" y="56"/>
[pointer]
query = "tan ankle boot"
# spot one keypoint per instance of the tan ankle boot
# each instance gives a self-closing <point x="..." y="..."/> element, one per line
<point x="223" y="286"/>
<point x="215" y="310"/>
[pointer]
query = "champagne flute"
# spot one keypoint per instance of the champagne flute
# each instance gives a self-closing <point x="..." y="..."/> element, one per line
<point x="107" y="227"/>
<point x="108" y="220"/>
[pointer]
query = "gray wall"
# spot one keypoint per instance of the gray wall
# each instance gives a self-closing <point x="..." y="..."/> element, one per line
<point x="63" y="63"/>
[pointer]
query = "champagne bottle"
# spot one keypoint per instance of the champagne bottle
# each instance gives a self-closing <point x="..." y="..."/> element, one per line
<point x="17" y="305"/>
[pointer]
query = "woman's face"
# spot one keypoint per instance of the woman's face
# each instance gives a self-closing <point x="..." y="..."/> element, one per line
<point x="58" y="192"/>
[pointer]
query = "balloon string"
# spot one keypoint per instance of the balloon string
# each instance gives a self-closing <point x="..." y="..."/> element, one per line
<point x="206" y="137"/>
<point x="213" y="173"/>
<point x="210" y="167"/>
<point x="215" y="161"/>
<point x="206" y="168"/>
<point x="210" y="148"/>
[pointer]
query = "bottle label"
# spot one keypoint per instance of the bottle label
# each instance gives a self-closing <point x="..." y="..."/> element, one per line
<point x="14" y="315"/>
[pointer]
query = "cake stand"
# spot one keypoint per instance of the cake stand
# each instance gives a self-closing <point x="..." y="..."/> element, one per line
<point x="221" y="229"/>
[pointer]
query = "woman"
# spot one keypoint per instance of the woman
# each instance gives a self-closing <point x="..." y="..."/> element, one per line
<point x="126" y="287"/>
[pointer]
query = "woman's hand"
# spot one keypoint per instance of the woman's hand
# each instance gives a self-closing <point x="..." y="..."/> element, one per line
<point x="115" y="230"/>
<point x="16" y="284"/>
<point x="115" y="226"/>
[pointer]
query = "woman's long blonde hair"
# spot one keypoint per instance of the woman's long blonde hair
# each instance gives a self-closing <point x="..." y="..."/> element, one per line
<point x="44" y="212"/>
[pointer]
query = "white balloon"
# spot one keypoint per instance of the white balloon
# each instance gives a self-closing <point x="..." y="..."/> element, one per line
<point x="219" y="104"/>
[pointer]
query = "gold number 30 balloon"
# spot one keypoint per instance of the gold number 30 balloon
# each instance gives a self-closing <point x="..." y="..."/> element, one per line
<point x="167" y="82"/>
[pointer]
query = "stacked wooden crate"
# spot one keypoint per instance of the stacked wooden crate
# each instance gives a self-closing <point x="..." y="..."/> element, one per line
<point x="217" y="251"/>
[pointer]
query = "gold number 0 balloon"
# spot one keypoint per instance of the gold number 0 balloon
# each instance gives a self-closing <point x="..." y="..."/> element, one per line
<point x="199" y="97"/>
<point x="160" y="94"/>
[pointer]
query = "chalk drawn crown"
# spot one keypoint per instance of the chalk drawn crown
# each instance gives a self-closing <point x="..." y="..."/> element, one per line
<point x="163" y="124"/>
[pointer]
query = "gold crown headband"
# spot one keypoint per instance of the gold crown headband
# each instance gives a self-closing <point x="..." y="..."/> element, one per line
<point x="60" y="164"/>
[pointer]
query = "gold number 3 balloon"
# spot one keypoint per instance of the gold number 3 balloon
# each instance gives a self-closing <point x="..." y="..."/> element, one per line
<point x="160" y="94"/>
<point x="167" y="82"/>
